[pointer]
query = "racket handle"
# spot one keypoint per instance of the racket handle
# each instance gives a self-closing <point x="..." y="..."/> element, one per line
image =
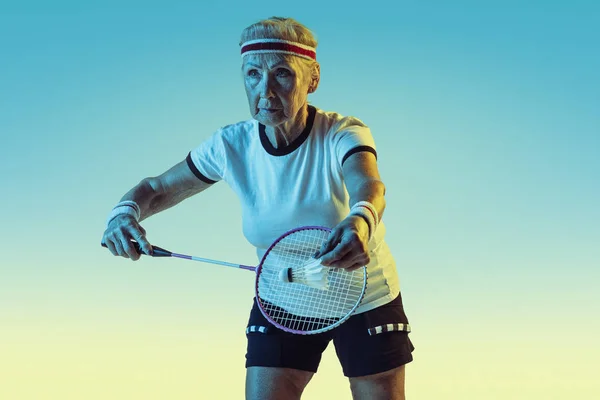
<point x="156" y="251"/>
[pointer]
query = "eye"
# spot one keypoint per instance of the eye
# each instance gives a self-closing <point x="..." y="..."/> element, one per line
<point x="253" y="73"/>
<point x="283" y="73"/>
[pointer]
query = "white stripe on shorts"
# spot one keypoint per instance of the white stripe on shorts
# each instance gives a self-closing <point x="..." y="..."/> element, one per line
<point x="256" y="328"/>
<point x="389" y="328"/>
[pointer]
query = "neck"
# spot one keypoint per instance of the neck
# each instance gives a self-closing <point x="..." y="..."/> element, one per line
<point x="283" y="135"/>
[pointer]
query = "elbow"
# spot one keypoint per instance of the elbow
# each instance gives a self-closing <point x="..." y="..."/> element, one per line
<point x="151" y="187"/>
<point x="373" y="191"/>
<point x="380" y="188"/>
<point x="149" y="191"/>
<point x="381" y="198"/>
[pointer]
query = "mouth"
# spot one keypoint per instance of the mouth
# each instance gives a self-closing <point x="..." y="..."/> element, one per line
<point x="270" y="110"/>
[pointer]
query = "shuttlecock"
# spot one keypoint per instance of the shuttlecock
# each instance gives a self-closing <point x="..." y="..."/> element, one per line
<point x="312" y="274"/>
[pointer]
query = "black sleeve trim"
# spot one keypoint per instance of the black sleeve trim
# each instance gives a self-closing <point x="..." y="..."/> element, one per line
<point x="358" y="150"/>
<point x="195" y="171"/>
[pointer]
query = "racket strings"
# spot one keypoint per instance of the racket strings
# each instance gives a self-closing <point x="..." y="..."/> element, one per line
<point x="298" y="306"/>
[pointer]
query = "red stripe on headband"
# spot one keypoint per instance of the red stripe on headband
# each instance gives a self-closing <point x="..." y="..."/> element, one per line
<point x="274" y="46"/>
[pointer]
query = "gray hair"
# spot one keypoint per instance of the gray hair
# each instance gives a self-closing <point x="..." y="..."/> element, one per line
<point x="279" y="28"/>
<point x="286" y="29"/>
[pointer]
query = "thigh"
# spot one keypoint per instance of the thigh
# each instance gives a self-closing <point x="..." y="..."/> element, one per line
<point x="267" y="383"/>
<point x="375" y="341"/>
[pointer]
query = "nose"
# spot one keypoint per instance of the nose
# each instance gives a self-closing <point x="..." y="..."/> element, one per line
<point x="266" y="87"/>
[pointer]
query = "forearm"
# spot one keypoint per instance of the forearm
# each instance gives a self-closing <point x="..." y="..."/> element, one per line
<point x="371" y="190"/>
<point x="143" y="194"/>
<point x="152" y="198"/>
<point x="156" y="194"/>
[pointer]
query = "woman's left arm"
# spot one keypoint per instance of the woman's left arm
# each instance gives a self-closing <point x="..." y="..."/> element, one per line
<point x="347" y="246"/>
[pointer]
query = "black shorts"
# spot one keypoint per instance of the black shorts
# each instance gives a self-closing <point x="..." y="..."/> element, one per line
<point x="367" y="343"/>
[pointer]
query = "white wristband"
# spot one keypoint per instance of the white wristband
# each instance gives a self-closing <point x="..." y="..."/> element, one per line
<point x="132" y="204"/>
<point x="370" y="207"/>
<point x="367" y="216"/>
<point x="125" y="207"/>
<point x="369" y="213"/>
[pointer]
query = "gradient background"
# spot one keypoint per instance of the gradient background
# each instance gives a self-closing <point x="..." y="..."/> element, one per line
<point x="486" y="117"/>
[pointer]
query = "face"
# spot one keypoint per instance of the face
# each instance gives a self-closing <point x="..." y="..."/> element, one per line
<point x="277" y="87"/>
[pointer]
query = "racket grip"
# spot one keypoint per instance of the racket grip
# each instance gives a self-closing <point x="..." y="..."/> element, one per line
<point x="156" y="251"/>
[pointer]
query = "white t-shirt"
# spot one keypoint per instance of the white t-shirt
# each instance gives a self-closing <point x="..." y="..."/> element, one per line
<point x="301" y="184"/>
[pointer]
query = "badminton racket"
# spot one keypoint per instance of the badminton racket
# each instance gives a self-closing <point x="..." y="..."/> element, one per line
<point x="293" y="290"/>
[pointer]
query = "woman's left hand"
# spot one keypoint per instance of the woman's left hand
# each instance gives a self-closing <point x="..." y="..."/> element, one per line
<point x="347" y="245"/>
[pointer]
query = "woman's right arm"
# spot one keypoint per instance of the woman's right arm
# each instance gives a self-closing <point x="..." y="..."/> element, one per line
<point x="152" y="195"/>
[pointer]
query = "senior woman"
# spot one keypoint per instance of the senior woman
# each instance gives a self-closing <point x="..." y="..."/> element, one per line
<point x="293" y="164"/>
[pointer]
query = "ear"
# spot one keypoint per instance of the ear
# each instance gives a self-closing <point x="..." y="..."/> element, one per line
<point x="315" y="78"/>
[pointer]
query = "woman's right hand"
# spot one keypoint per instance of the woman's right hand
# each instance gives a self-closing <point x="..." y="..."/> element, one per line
<point x="119" y="233"/>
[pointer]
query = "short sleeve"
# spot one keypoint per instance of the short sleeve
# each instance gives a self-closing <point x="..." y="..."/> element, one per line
<point x="350" y="136"/>
<point x="207" y="161"/>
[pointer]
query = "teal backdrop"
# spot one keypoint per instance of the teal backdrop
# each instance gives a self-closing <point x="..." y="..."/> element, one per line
<point x="486" y="118"/>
